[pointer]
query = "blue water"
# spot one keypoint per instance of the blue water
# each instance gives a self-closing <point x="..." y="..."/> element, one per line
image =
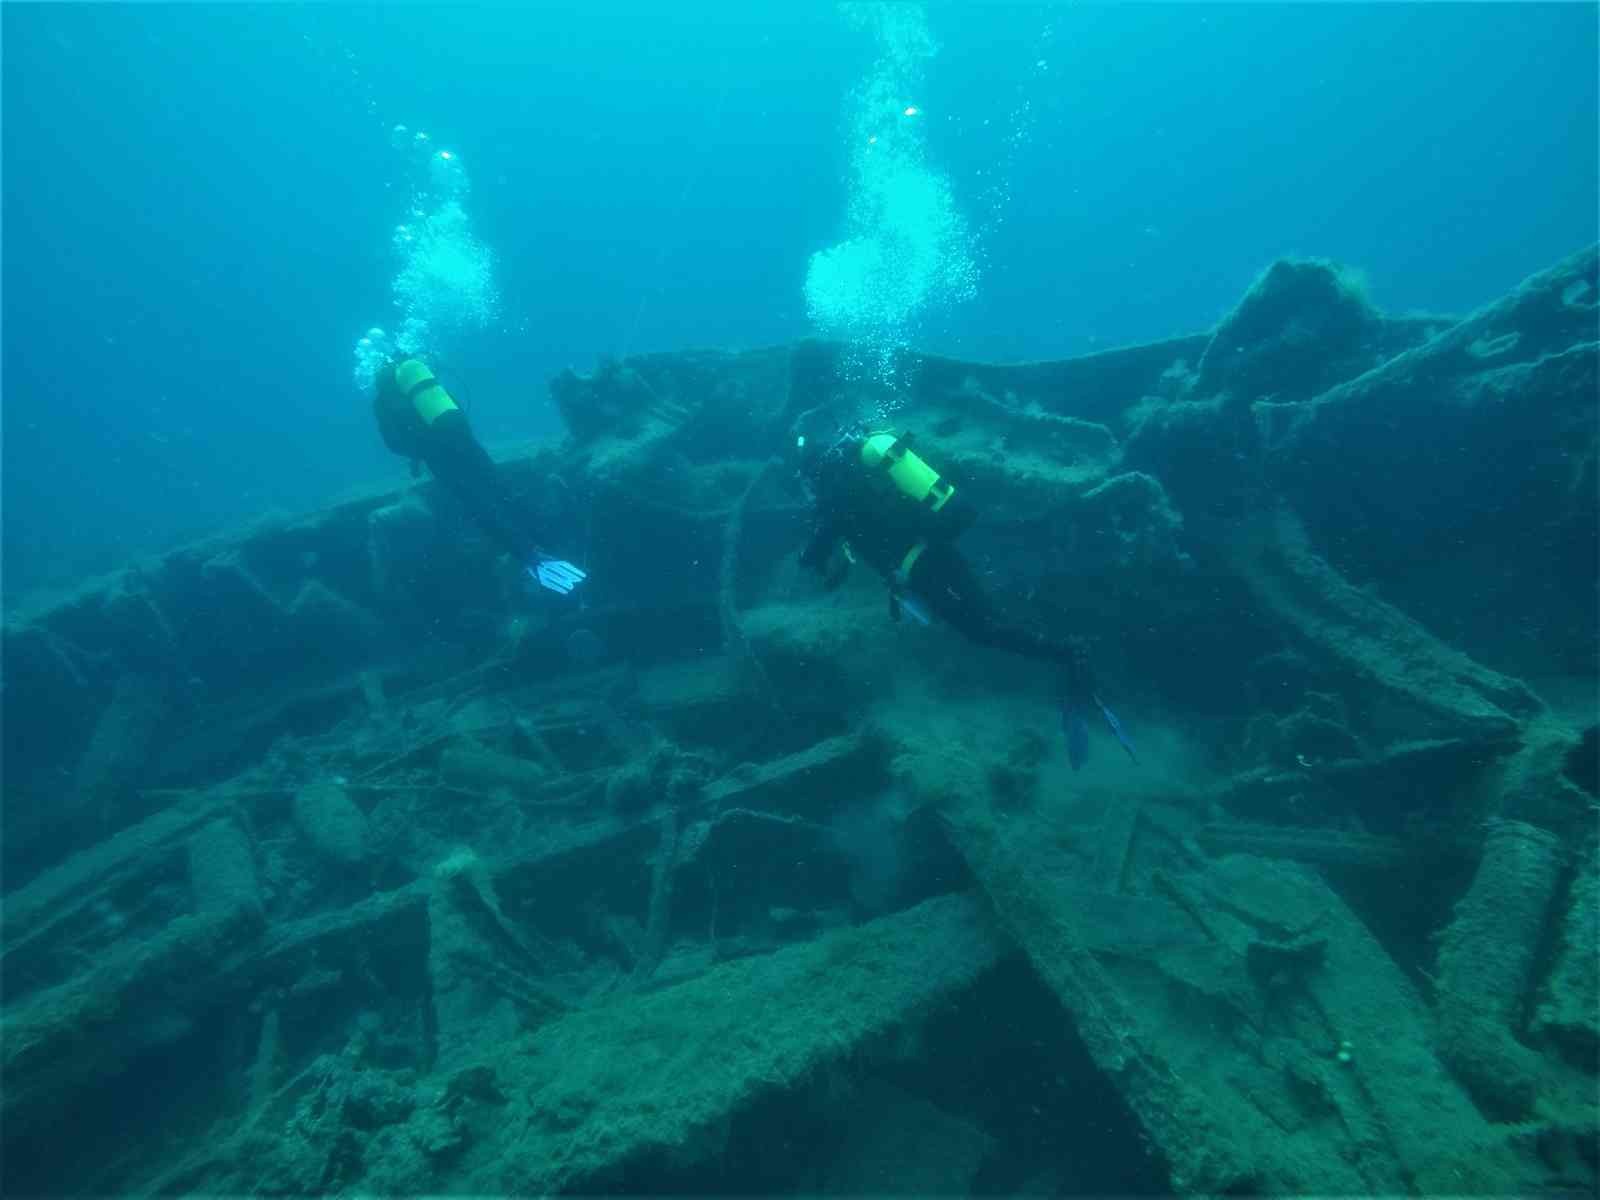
<point x="199" y="204"/>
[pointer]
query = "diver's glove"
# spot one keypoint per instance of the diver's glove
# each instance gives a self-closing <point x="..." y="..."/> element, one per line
<point x="555" y="573"/>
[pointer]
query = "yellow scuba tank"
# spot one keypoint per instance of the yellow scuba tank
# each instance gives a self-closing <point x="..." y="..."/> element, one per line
<point x="911" y="475"/>
<point x="427" y="394"/>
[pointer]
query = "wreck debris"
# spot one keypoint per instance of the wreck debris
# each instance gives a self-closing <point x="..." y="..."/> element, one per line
<point x="487" y="979"/>
<point x="1305" y="845"/>
<point x="1486" y="958"/>
<point x="1232" y="1083"/>
<point x="123" y="739"/>
<point x="222" y="871"/>
<point x="664" y="1073"/>
<point x="1568" y="1009"/>
<point x="1375" y="642"/>
<point x="331" y="822"/>
<point x="443" y="912"/>
<point x="1303" y="326"/>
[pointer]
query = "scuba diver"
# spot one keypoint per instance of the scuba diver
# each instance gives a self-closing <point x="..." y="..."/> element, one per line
<point x="419" y="420"/>
<point x="876" y="500"/>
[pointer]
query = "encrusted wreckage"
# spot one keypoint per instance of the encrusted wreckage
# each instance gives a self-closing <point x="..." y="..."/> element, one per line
<point x="336" y="863"/>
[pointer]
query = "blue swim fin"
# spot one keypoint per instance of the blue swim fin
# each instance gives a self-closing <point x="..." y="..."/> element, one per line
<point x="901" y="601"/>
<point x="1116" y="728"/>
<point x="1077" y="733"/>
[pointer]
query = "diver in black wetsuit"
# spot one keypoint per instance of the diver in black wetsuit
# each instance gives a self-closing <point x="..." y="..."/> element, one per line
<point x="419" y="420"/>
<point x="877" y="501"/>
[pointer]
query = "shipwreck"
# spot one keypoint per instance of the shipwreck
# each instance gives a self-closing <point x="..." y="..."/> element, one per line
<point x="335" y="863"/>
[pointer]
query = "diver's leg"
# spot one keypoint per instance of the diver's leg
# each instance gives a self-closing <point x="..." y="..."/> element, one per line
<point x="950" y="587"/>
<point x="460" y="462"/>
<point x="946" y="581"/>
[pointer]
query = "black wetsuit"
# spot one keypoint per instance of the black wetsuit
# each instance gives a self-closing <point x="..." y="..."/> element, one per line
<point x="860" y="506"/>
<point x="457" y="461"/>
